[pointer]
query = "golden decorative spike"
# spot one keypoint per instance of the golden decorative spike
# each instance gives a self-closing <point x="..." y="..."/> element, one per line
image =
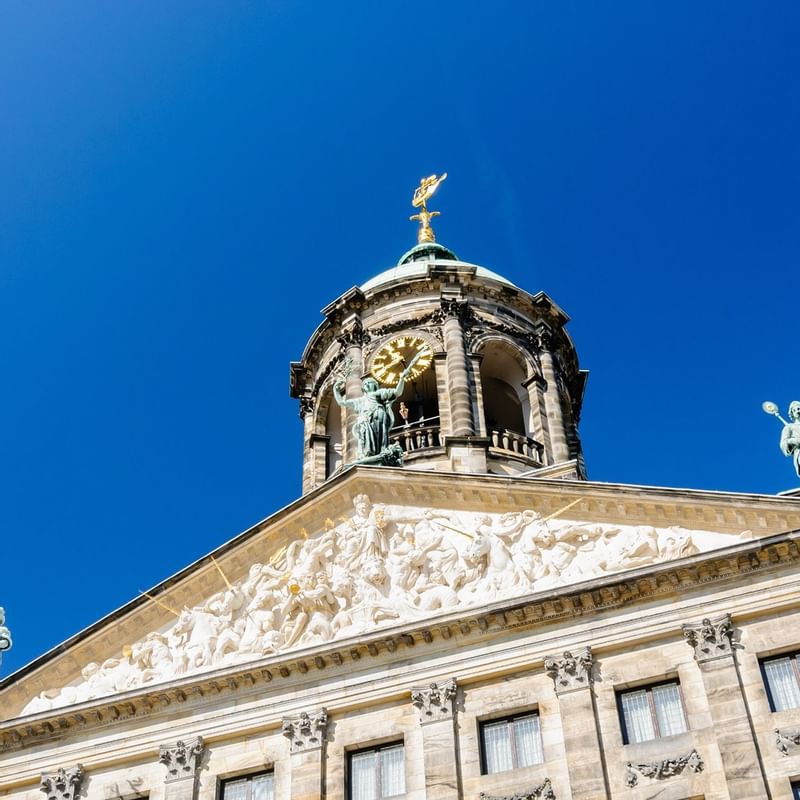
<point x="426" y="189"/>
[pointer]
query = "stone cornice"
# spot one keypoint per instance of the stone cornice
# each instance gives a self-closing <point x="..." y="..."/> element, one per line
<point x="599" y="595"/>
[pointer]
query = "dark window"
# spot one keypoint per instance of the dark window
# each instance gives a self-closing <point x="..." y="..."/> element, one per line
<point x="796" y="790"/>
<point x="510" y="743"/>
<point x="651" y="712"/>
<point x="377" y="773"/>
<point x="782" y="679"/>
<point x="251" y="787"/>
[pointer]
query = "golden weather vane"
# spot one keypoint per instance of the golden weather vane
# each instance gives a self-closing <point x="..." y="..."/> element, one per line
<point x="423" y="193"/>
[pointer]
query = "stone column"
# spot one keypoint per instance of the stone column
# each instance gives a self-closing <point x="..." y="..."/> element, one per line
<point x="552" y="400"/>
<point x="458" y="381"/>
<point x="478" y="414"/>
<point x="712" y="641"/>
<point x="181" y="760"/>
<point x="541" y="429"/>
<point x="63" y="784"/>
<point x="436" y="707"/>
<point x="307" y="734"/>
<point x="442" y="395"/>
<point x="572" y="676"/>
<point x="352" y="340"/>
<point x="311" y="478"/>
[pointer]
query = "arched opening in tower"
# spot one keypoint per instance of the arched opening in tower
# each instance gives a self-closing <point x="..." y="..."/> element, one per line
<point x="416" y="414"/>
<point x="506" y="406"/>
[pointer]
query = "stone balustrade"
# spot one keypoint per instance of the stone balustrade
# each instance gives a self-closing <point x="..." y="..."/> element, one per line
<point x="518" y="443"/>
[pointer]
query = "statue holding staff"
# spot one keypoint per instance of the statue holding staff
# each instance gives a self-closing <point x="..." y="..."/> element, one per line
<point x="790" y="435"/>
<point x="375" y="417"/>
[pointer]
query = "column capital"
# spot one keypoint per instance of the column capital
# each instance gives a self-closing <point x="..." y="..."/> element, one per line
<point x="435" y="701"/>
<point x="306" y="731"/>
<point x="63" y="784"/>
<point x="352" y="333"/>
<point x="181" y="759"/>
<point x="306" y="405"/>
<point x="710" y="639"/>
<point x="570" y="671"/>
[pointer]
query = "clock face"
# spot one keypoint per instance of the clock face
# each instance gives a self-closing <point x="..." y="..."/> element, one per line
<point x="393" y="357"/>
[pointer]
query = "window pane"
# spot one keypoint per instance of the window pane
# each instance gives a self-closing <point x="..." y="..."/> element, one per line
<point x="393" y="777"/>
<point x="263" y="787"/>
<point x="638" y="721"/>
<point x="497" y="747"/>
<point x="528" y="740"/>
<point x="669" y="709"/>
<point x="782" y="683"/>
<point x="235" y="790"/>
<point x="363" y="776"/>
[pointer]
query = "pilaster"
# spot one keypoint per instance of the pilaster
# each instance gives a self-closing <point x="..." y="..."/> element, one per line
<point x="307" y="734"/>
<point x="435" y="704"/>
<point x="552" y="399"/>
<point x="571" y="672"/>
<point x="181" y="760"/>
<point x="351" y="339"/>
<point x="714" y="651"/>
<point x="540" y="428"/>
<point x="458" y="373"/>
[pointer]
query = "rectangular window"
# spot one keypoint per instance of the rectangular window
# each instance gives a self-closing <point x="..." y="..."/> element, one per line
<point x="377" y="773"/>
<point x="651" y="712"/>
<point x="511" y="743"/>
<point x="782" y="678"/>
<point x="251" y="787"/>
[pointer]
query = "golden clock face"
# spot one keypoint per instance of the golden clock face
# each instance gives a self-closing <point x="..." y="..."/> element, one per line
<point x="393" y="357"/>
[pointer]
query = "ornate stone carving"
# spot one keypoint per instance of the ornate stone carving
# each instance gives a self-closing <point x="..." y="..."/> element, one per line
<point x="456" y="307"/>
<point x="181" y="759"/>
<point x="667" y="768"/>
<point x="306" y="731"/>
<point x="544" y="791"/>
<point x="354" y="335"/>
<point x="378" y="566"/>
<point x="63" y="784"/>
<point x="711" y="638"/>
<point x="436" y="701"/>
<point x="306" y="404"/>
<point x="571" y="670"/>
<point x="784" y="739"/>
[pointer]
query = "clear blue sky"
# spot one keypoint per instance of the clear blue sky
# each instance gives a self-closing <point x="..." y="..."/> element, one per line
<point x="184" y="185"/>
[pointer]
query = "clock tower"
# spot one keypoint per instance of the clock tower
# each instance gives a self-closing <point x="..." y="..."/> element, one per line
<point x="494" y="386"/>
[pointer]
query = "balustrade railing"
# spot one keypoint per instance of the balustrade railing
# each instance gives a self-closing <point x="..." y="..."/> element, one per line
<point x="416" y="437"/>
<point x="517" y="443"/>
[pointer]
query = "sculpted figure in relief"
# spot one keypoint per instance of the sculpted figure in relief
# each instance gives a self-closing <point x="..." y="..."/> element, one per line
<point x="379" y="566"/>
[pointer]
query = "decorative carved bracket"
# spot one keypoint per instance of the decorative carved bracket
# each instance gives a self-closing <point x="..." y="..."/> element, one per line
<point x="436" y="701"/>
<point x="784" y="739"/>
<point x="63" y="784"/>
<point x="667" y="768"/>
<point x="544" y="791"/>
<point x="306" y="731"/>
<point x="711" y="638"/>
<point x="181" y="759"/>
<point x="571" y="670"/>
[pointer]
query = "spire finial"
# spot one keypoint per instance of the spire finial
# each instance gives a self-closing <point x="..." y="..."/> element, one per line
<point x="423" y="193"/>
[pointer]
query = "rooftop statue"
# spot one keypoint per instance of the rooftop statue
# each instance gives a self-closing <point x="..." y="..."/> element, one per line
<point x="375" y="418"/>
<point x="5" y="635"/>
<point x="790" y="435"/>
<point x="426" y="189"/>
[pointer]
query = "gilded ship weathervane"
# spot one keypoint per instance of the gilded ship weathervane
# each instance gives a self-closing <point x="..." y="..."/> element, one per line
<point x="426" y="189"/>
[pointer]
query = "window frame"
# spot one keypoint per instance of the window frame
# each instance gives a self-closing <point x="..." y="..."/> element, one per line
<point x="376" y="748"/>
<point x="795" y="787"/>
<point x="794" y="655"/>
<point x="245" y="776"/>
<point x="648" y="687"/>
<point x="509" y="719"/>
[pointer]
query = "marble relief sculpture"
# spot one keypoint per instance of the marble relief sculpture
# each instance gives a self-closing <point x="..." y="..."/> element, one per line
<point x="5" y="635"/>
<point x="379" y="566"/>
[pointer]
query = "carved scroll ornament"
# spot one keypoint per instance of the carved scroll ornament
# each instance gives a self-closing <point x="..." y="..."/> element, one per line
<point x="784" y="739"/>
<point x="63" y="784"/>
<point x="544" y="791"/>
<point x="667" y="768"/>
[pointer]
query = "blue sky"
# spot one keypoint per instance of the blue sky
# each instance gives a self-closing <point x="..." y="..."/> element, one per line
<point x="184" y="185"/>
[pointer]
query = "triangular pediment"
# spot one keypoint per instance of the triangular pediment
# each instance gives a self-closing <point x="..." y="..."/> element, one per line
<point x="377" y="548"/>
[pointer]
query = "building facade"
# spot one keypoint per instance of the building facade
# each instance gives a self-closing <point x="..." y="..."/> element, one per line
<point x="481" y="621"/>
